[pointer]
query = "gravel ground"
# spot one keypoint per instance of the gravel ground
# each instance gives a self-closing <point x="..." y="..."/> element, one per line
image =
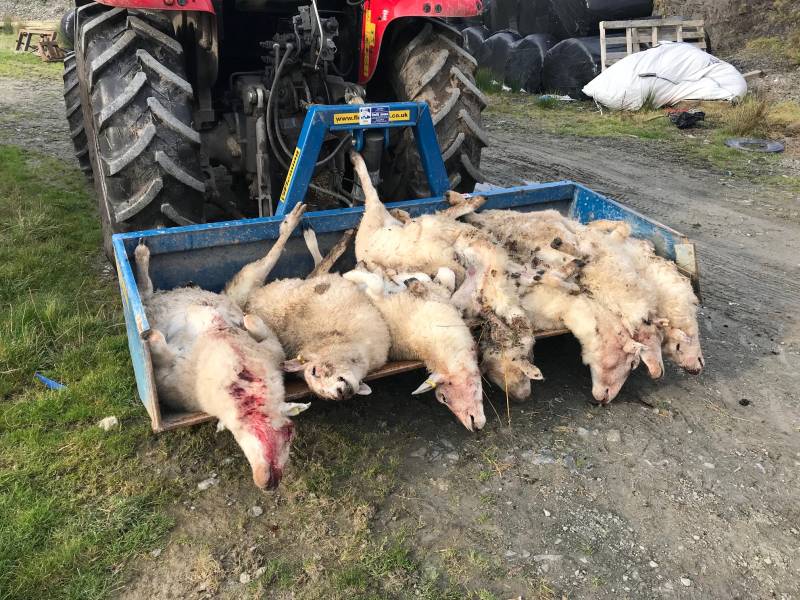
<point x="683" y="488"/>
<point x="34" y="10"/>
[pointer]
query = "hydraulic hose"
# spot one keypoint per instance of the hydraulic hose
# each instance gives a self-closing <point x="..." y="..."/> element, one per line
<point x="272" y="92"/>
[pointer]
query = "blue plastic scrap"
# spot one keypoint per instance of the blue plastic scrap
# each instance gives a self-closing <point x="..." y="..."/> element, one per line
<point x="50" y="383"/>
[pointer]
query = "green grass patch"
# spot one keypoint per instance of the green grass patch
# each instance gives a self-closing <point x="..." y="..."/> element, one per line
<point x="24" y="65"/>
<point x="753" y="117"/>
<point x="580" y="118"/>
<point x="75" y="501"/>
<point x="486" y="82"/>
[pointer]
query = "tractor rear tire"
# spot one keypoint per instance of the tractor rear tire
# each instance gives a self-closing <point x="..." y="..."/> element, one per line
<point x="433" y="67"/>
<point x="74" y="111"/>
<point x="137" y="104"/>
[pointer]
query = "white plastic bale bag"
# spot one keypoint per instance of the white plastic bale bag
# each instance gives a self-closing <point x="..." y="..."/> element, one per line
<point x="665" y="75"/>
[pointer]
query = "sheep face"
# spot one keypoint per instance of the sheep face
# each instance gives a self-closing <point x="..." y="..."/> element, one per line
<point x="235" y="384"/>
<point x="331" y="379"/>
<point x="612" y="363"/>
<point x="651" y="338"/>
<point x="510" y="373"/>
<point x="462" y="393"/>
<point x="464" y="398"/>
<point x="684" y="350"/>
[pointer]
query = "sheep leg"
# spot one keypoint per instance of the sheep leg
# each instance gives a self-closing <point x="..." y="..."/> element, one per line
<point x="465" y="298"/>
<point x="313" y="247"/>
<point x="446" y="278"/>
<point x="160" y="351"/>
<point x="326" y="264"/>
<point x="253" y="275"/>
<point x="372" y="202"/>
<point x="143" y="282"/>
<point x="460" y="205"/>
<point x="619" y="229"/>
<point x="257" y="329"/>
<point x="401" y="215"/>
<point x="372" y="283"/>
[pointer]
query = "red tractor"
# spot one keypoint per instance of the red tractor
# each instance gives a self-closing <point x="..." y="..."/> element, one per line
<point x="185" y="111"/>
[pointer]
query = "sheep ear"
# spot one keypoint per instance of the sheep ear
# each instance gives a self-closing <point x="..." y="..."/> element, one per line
<point x="531" y="371"/>
<point x="363" y="389"/>
<point x="292" y="366"/>
<point x="292" y="409"/>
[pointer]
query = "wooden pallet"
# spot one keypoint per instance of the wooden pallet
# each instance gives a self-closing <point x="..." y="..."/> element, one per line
<point x="627" y="37"/>
<point x="46" y="46"/>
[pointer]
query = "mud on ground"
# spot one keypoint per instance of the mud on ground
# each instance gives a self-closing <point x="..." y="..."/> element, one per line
<point x="683" y="488"/>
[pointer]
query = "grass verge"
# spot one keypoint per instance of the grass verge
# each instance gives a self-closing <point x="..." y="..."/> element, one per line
<point x="75" y="501"/>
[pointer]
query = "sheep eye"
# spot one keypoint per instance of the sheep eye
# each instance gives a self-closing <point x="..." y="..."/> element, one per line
<point x="678" y="347"/>
<point x="314" y="371"/>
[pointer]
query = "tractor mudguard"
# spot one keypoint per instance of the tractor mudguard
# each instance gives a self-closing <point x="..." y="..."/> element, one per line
<point x="378" y="14"/>
<point x="195" y="5"/>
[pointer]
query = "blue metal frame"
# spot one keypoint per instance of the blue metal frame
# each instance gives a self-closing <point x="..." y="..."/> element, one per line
<point x="357" y="118"/>
<point x="208" y="255"/>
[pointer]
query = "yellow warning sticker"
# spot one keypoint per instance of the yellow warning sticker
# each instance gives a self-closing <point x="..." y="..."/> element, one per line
<point x="350" y="118"/>
<point x="290" y="173"/>
<point x="399" y="115"/>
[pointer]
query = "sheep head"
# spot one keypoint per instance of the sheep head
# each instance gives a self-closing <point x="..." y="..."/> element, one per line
<point x="611" y="358"/>
<point x="512" y="374"/>
<point x="329" y="377"/>
<point x="239" y="387"/>
<point x="461" y="392"/>
<point x="684" y="349"/>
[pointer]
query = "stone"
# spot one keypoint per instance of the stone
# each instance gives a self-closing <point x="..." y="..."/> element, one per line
<point x="419" y="452"/>
<point x="256" y="511"/>
<point x="244" y="578"/>
<point x="108" y="423"/>
<point x="686" y="582"/>
<point x="207" y="483"/>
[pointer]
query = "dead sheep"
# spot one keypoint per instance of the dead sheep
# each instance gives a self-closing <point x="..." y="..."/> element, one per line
<point x="548" y="240"/>
<point x="330" y="330"/>
<point x="208" y="356"/>
<point x="425" y="327"/>
<point x="482" y="271"/>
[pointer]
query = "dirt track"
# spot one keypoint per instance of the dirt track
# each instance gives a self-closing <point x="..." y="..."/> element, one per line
<point x="683" y="488"/>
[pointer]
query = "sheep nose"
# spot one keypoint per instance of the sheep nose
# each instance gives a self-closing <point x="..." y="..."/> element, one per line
<point x="343" y="389"/>
<point x="268" y="478"/>
<point x="477" y="423"/>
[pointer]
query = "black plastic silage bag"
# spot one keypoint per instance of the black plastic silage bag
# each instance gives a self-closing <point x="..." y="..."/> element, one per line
<point x="570" y="65"/>
<point x="473" y="38"/>
<point x="615" y="10"/>
<point x="537" y="16"/>
<point x="502" y="14"/>
<point x="494" y="53"/>
<point x="576" y="18"/>
<point x="526" y="61"/>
